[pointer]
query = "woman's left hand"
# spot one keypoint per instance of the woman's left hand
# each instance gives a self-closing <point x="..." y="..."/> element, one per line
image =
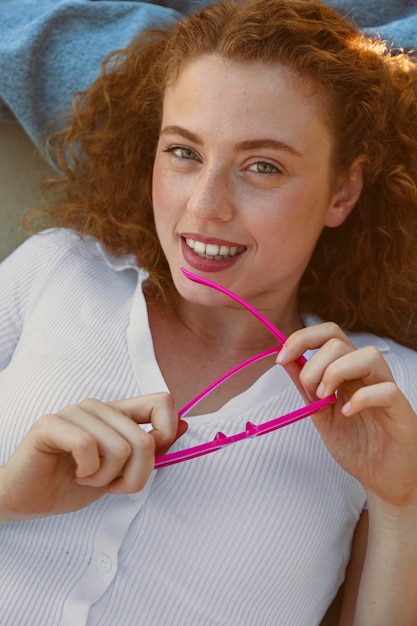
<point x="371" y="430"/>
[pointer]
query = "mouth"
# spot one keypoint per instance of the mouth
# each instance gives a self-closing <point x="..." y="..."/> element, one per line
<point x="212" y="251"/>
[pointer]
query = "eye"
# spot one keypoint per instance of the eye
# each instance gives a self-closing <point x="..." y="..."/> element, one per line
<point x="183" y="153"/>
<point x="263" y="167"/>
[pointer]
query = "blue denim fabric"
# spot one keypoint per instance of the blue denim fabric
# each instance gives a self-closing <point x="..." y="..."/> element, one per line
<point x="49" y="49"/>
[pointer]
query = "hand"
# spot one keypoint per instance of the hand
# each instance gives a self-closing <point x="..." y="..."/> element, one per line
<point x="371" y="430"/>
<point x="72" y="458"/>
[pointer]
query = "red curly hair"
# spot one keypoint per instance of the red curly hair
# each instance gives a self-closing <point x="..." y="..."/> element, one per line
<point x="362" y="275"/>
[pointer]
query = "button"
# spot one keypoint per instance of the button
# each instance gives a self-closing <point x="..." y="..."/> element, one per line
<point x="103" y="563"/>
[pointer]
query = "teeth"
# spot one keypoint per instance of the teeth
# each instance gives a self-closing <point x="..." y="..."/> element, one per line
<point x="199" y="247"/>
<point x="213" y="251"/>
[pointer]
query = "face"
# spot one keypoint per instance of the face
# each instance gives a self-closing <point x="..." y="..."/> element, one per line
<point x="242" y="183"/>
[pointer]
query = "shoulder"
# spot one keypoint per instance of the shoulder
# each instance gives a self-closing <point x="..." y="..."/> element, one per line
<point x="388" y="347"/>
<point x="54" y="244"/>
<point x="48" y="243"/>
<point x="64" y="254"/>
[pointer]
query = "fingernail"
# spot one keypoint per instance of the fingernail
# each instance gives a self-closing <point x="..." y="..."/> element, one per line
<point x="346" y="408"/>
<point x="282" y="355"/>
<point x="310" y="397"/>
<point x="320" y="390"/>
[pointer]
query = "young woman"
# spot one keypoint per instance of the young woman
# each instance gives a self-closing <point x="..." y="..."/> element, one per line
<point x="270" y="147"/>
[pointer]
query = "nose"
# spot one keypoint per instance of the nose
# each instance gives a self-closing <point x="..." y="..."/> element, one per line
<point x="211" y="196"/>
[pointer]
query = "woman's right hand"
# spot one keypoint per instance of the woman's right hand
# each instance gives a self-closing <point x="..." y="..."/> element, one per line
<point x="70" y="459"/>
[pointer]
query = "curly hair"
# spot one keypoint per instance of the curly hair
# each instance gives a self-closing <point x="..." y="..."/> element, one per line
<point x="363" y="274"/>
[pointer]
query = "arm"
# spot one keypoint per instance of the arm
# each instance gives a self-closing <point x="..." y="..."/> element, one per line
<point x="354" y="571"/>
<point x="372" y="433"/>
<point x="389" y="582"/>
<point x="380" y="551"/>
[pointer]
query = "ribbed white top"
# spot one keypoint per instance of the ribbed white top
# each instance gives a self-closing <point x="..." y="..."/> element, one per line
<point x="256" y="534"/>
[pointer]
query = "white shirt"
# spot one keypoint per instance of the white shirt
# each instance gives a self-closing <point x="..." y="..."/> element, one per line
<point x="256" y="534"/>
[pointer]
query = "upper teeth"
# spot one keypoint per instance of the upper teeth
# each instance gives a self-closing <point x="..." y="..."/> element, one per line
<point x="213" y="251"/>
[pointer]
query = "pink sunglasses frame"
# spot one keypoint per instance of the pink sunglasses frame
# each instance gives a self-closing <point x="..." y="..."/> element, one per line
<point x="251" y="430"/>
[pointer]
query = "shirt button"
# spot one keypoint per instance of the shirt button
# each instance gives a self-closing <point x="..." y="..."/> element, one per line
<point x="103" y="563"/>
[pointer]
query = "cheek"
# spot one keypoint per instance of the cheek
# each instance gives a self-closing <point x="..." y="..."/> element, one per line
<point x="289" y="229"/>
<point x="160" y="197"/>
<point x="167" y="191"/>
<point x="166" y="206"/>
<point x="157" y="184"/>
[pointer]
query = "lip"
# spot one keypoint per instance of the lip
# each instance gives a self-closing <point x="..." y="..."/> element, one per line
<point x="213" y="240"/>
<point x="207" y="265"/>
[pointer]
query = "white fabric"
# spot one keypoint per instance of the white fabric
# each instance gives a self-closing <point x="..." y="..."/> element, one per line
<point x="256" y="534"/>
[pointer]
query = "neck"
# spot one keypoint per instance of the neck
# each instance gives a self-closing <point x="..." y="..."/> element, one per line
<point x="233" y="325"/>
<point x="195" y="344"/>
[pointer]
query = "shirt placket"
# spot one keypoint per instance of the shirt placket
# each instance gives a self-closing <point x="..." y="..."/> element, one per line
<point x="103" y="563"/>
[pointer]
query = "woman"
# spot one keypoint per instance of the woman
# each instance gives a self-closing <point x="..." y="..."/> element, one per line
<point x="269" y="146"/>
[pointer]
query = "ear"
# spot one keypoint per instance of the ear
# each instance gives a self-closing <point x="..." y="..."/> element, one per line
<point x="347" y="195"/>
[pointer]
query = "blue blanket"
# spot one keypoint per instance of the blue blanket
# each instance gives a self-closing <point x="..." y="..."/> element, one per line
<point x="49" y="49"/>
<point x="392" y="20"/>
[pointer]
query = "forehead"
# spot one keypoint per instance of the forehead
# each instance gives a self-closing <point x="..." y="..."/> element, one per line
<point x="222" y="96"/>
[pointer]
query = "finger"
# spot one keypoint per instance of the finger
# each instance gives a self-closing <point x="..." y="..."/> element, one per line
<point x="366" y="365"/>
<point x="310" y="338"/>
<point x="123" y="470"/>
<point x="142" y="461"/>
<point x="54" y="435"/>
<point x="313" y="371"/>
<point x="138" y="467"/>
<point x="163" y="449"/>
<point x="159" y="410"/>
<point x="330" y="343"/>
<point x="382" y="395"/>
<point x="123" y="416"/>
<point x="114" y="435"/>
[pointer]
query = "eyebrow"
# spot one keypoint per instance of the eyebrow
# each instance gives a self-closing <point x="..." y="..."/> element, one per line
<point x="248" y="144"/>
